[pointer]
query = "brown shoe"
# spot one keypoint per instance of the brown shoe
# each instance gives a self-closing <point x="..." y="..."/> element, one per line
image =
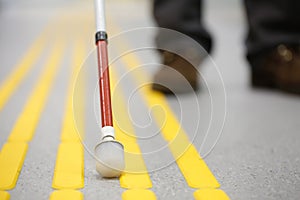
<point x="177" y="76"/>
<point x="279" y="69"/>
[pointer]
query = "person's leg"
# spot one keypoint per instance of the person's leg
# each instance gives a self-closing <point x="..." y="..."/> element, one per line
<point x="271" y="23"/>
<point x="180" y="50"/>
<point x="184" y="16"/>
<point x="273" y="43"/>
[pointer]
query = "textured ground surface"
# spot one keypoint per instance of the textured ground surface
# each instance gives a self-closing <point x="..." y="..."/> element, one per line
<point x="257" y="155"/>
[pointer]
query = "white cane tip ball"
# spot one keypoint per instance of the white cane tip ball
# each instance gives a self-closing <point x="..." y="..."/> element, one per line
<point x="107" y="172"/>
<point x="110" y="159"/>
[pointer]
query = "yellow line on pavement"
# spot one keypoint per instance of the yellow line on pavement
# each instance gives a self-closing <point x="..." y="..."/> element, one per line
<point x="25" y="65"/>
<point x="4" y="195"/>
<point x="69" y="168"/>
<point x="23" y="130"/>
<point x="11" y="161"/>
<point x="28" y="119"/>
<point x="14" y="79"/>
<point x="71" y="132"/>
<point x="66" y="194"/>
<point x="191" y="165"/>
<point x="135" y="174"/>
<point x="204" y="194"/>
<point x="68" y="173"/>
<point x="137" y="194"/>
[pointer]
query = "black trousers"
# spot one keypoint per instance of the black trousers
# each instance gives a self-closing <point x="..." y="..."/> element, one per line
<point x="270" y="23"/>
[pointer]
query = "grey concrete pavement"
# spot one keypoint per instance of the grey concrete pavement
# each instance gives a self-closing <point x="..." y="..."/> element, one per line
<point x="256" y="157"/>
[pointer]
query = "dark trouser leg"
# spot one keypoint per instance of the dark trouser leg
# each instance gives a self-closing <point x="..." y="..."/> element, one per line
<point x="183" y="16"/>
<point x="271" y="22"/>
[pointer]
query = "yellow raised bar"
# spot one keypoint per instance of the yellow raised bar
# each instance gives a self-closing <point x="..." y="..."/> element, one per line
<point x="11" y="160"/>
<point x="69" y="168"/>
<point x="136" y="194"/>
<point x="66" y="195"/>
<point x="70" y="130"/>
<point x="28" y="119"/>
<point x="4" y="195"/>
<point x="135" y="174"/>
<point x="135" y="181"/>
<point x="210" y="194"/>
<point x="193" y="168"/>
<point x="13" y="80"/>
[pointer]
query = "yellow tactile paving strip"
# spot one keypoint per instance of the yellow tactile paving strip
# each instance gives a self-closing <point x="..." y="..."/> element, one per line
<point x="210" y="194"/>
<point x="69" y="167"/>
<point x="68" y="172"/>
<point x="27" y="121"/>
<point x="25" y="65"/>
<point x="135" y="175"/>
<point x="137" y="194"/>
<point x="66" y="194"/>
<point x="192" y="166"/>
<point x="13" y="80"/>
<point x="11" y="160"/>
<point x="4" y="195"/>
<point x="14" y="150"/>
<point x="72" y="132"/>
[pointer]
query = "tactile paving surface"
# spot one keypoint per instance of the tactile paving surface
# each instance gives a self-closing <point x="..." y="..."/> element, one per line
<point x="46" y="138"/>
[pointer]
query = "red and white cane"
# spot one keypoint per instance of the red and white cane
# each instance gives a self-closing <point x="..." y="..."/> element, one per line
<point x="109" y="152"/>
